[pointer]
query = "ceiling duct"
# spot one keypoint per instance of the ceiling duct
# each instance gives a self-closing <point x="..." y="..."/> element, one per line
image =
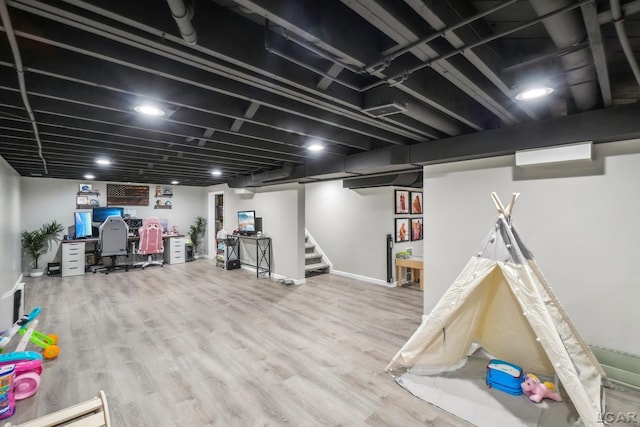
<point x="567" y="29"/>
<point x="384" y="160"/>
<point x="410" y="179"/>
<point x="383" y="100"/>
<point x="259" y="179"/>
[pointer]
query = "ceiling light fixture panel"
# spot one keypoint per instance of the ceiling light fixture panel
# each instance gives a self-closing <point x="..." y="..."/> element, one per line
<point x="149" y="110"/>
<point x="531" y="93"/>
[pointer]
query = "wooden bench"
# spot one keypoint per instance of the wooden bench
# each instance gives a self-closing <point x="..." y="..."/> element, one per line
<point x="92" y="413"/>
<point x="414" y="265"/>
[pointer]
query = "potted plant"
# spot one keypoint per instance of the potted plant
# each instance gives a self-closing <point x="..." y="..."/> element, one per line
<point x="196" y="232"/>
<point x="36" y="243"/>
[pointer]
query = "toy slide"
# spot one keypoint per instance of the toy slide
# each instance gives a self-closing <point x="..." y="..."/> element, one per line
<point x="20" y="323"/>
<point x="93" y="413"/>
<point x="47" y="342"/>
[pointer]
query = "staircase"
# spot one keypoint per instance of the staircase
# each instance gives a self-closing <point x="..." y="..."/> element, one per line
<point x="314" y="260"/>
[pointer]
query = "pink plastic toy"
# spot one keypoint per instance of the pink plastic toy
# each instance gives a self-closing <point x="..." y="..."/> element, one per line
<point x="27" y="380"/>
<point x="27" y="377"/>
<point x="536" y="391"/>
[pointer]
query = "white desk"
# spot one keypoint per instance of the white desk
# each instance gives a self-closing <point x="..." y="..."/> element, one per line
<point x="74" y="252"/>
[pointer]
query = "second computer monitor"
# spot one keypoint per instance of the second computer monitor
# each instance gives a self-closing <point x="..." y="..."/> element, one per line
<point x="101" y="214"/>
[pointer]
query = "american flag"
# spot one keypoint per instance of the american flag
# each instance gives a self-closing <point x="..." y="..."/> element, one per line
<point x="115" y="190"/>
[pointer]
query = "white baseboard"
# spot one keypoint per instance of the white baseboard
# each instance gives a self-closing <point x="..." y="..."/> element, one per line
<point x="276" y="276"/>
<point x="288" y="280"/>
<point x="363" y="278"/>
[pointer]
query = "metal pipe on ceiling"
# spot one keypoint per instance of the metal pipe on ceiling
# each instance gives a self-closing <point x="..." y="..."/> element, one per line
<point x="344" y="60"/>
<point x="628" y="9"/>
<point x="567" y="30"/>
<point x="162" y="49"/>
<point x="387" y="59"/>
<point x="321" y="53"/>
<point x="8" y="27"/>
<point x="543" y="58"/>
<point x="398" y="78"/>
<point x="437" y="17"/>
<point x="182" y="15"/>
<point x="618" y="21"/>
<point x="270" y="49"/>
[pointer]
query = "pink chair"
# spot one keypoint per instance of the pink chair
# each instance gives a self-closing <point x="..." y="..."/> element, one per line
<point x="150" y="242"/>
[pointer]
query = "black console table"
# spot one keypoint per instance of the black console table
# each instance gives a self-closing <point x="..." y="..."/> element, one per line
<point x="263" y="254"/>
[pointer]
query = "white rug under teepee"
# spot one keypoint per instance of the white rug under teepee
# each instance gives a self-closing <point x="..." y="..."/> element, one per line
<point x="463" y="392"/>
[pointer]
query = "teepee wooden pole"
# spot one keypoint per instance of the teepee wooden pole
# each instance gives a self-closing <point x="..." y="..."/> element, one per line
<point x="514" y="197"/>
<point x="498" y="203"/>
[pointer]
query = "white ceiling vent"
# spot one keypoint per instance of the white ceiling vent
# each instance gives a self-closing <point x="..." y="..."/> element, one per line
<point x="385" y="109"/>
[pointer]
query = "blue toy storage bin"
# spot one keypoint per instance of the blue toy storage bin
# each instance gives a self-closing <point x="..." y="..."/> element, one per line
<point x="505" y="376"/>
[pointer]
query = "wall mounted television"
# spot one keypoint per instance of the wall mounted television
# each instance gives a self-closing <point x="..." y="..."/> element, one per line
<point x="247" y="222"/>
<point x="101" y="214"/>
<point x="82" y="222"/>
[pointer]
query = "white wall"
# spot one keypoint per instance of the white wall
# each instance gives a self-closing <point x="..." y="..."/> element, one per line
<point x="10" y="228"/>
<point x="351" y="227"/>
<point x="46" y="199"/>
<point x="581" y="223"/>
<point x="281" y="208"/>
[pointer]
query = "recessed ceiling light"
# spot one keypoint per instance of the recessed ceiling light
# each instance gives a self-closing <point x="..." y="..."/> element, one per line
<point x="88" y="176"/>
<point x="149" y="110"/>
<point x="174" y="182"/>
<point x="216" y="172"/>
<point x="533" y="93"/>
<point x="103" y="162"/>
<point x="316" y="146"/>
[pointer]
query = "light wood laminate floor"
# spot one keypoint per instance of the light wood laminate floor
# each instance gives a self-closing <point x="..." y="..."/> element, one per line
<point x="195" y="345"/>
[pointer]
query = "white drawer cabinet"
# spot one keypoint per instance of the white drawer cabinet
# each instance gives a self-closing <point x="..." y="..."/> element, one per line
<point x="174" y="250"/>
<point x="73" y="258"/>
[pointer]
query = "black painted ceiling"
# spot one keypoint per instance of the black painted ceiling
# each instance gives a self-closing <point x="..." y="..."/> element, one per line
<point x="267" y="77"/>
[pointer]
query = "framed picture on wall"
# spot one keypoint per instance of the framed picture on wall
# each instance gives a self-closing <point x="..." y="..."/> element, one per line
<point x="416" y="202"/>
<point x="402" y="201"/>
<point x="416" y="229"/>
<point x="402" y="229"/>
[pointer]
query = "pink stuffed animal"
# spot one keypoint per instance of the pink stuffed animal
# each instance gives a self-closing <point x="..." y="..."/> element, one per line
<point x="536" y="391"/>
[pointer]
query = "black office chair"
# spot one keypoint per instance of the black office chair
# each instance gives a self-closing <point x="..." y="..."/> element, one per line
<point x="113" y="242"/>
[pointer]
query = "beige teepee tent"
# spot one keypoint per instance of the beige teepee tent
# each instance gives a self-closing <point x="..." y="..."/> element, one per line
<point x="502" y="302"/>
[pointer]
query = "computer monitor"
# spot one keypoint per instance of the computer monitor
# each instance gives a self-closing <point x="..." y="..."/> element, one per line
<point x="247" y="222"/>
<point x="101" y="214"/>
<point x="82" y="221"/>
